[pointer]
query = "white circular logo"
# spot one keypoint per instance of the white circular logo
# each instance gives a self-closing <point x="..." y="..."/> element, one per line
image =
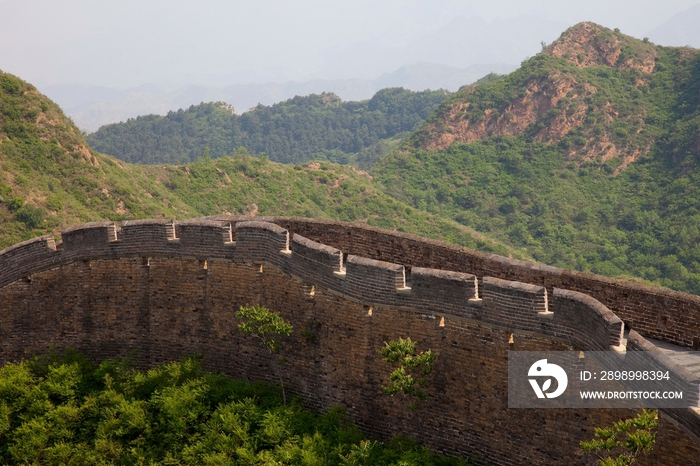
<point x="543" y="369"/>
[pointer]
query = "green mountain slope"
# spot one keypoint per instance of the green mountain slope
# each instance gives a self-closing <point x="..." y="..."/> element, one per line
<point x="587" y="156"/>
<point x="241" y="183"/>
<point x="50" y="179"/>
<point x="297" y="130"/>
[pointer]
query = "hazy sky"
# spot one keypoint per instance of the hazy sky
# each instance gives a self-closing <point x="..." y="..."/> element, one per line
<point x="122" y="43"/>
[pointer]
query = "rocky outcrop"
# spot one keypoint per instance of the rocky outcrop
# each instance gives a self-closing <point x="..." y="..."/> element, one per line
<point x="588" y="44"/>
<point x="547" y="100"/>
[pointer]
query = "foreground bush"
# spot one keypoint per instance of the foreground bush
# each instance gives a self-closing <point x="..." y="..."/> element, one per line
<point x="64" y="410"/>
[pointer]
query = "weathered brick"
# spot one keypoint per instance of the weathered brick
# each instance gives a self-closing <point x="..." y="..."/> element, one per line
<point x="158" y="290"/>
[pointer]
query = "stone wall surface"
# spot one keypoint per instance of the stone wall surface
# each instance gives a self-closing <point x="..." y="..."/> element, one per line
<point x="655" y="312"/>
<point x="160" y="290"/>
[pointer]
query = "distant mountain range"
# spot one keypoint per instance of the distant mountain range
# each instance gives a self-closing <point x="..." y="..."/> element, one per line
<point x="93" y="106"/>
<point x="587" y="156"/>
<point x="682" y="29"/>
<point x="51" y="179"/>
<point x="462" y="42"/>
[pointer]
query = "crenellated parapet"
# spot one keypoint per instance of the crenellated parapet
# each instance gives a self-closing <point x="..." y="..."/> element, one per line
<point x="656" y="312"/>
<point x="204" y="237"/>
<point x="96" y="235"/>
<point x="567" y="315"/>
<point x="28" y="257"/>
<point x="201" y="238"/>
<point x="577" y="311"/>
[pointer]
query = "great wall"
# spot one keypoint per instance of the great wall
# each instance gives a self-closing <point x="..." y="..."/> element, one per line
<point x="158" y="290"/>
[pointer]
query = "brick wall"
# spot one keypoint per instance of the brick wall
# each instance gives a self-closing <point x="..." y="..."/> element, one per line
<point x="654" y="312"/>
<point x="160" y="290"/>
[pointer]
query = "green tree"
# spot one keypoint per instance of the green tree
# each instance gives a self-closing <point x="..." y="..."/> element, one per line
<point x="621" y="444"/>
<point x="409" y="377"/>
<point x="267" y="327"/>
<point x="32" y="216"/>
<point x="360" y="453"/>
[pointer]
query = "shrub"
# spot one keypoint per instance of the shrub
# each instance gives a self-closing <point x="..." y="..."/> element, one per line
<point x="621" y="444"/>
<point x="14" y="203"/>
<point x="62" y="409"/>
<point x="31" y="216"/>
<point x="54" y="203"/>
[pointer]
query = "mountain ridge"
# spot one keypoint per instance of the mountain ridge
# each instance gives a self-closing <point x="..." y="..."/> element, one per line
<point x="587" y="156"/>
<point x="50" y="180"/>
<point x="553" y="99"/>
<point x="317" y="126"/>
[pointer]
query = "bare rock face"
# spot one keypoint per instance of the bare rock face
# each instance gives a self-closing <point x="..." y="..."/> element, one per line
<point x="539" y="97"/>
<point x="588" y="44"/>
<point x="251" y="210"/>
<point x="550" y="105"/>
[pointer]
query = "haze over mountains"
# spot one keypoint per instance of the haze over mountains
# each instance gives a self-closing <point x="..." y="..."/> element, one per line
<point x="134" y="59"/>
<point x="93" y="106"/>
<point x="458" y="53"/>
<point x="682" y="29"/>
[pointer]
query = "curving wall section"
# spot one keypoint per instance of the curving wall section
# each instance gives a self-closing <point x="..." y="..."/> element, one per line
<point x="165" y="289"/>
<point x="574" y="317"/>
<point x="657" y="313"/>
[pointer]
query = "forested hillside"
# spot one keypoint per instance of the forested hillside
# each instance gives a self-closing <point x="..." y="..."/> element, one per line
<point x="587" y="156"/>
<point x="50" y="180"/>
<point x="315" y="127"/>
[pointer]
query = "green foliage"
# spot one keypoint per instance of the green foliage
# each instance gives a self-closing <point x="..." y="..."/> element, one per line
<point x="491" y="77"/>
<point x="14" y="203"/>
<point x="294" y="131"/>
<point x="264" y="325"/>
<point x="10" y="85"/>
<point x="320" y="190"/>
<point x="50" y="180"/>
<point x="360" y="454"/>
<point x="54" y="203"/>
<point x="31" y="215"/>
<point x="409" y="377"/>
<point x="564" y="205"/>
<point x="621" y="444"/>
<point x="267" y="327"/>
<point x="61" y="409"/>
